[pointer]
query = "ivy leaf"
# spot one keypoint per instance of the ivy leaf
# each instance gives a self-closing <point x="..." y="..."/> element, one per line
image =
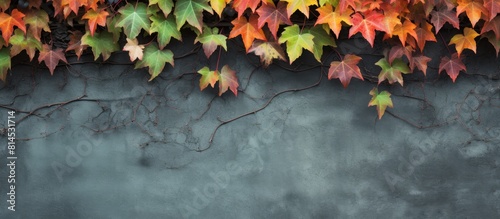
<point x="7" y="23"/>
<point x="26" y="42"/>
<point x="301" y="5"/>
<point x="210" y="40"/>
<point x="494" y="41"/>
<point x="333" y="18"/>
<point x="493" y="25"/>
<point x="102" y="43"/>
<point x="166" y="29"/>
<point x="472" y="8"/>
<point x="465" y="40"/>
<point x="367" y="25"/>
<point x="346" y="69"/>
<point x="75" y="43"/>
<point x="439" y="18"/>
<point x="452" y="66"/>
<point x="382" y="100"/>
<point x="398" y="52"/>
<point x="95" y="18"/>
<point x="241" y="5"/>
<point x="155" y="59"/>
<point x="420" y="62"/>
<point x="321" y="38"/>
<point x="4" y="4"/>
<point x="219" y="5"/>
<point x="51" y="57"/>
<point x="248" y="30"/>
<point x="424" y="34"/>
<point x="390" y="21"/>
<point x="74" y="5"/>
<point x="37" y="20"/>
<point x="296" y="41"/>
<point x="392" y="72"/>
<point x="133" y="19"/>
<point x="112" y="28"/>
<point x="5" y="63"/>
<point x="165" y="5"/>
<point x="402" y="30"/>
<point x="207" y="77"/>
<point x="493" y="7"/>
<point x="273" y="16"/>
<point x="228" y="80"/>
<point x="191" y="11"/>
<point x="267" y="51"/>
<point x="135" y="51"/>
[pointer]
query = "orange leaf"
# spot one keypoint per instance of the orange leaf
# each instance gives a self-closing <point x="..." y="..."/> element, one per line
<point x="473" y="9"/>
<point x="424" y="34"/>
<point x="241" y="5"/>
<point x="346" y="69"/>
<point x="367" y="25"/>
<point x="333" y="18"/>
<point x="7" y="23"/>
<point x="421" y="63"/>
<point x="248" y="30"/>
<point x="95" y="18"/>
<point x="452" y="66"/>
<point x="465" y="41"/>
<point x="403" y="30"/>
<point x="51" y="57"/>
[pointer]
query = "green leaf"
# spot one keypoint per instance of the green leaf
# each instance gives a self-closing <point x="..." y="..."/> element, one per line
<point x="207" y="77"/>
<point x="116" y="31"/>
<point x="392" y="72"/>
<point x="321" y="38"/>
<point x="165" y="28"/>
<point x="296" y="41"/>
<point x="382" y="100"/>
<point x="165" y="5"/>
<point x="210" y="40"/>
<point x="102" y="43"/>
<point x="191" y="11"/>
<point x="155" y="59"/>
<point x="4" y="63"/>
<point x="21" y="42"/>
<point x="133" y="19"/>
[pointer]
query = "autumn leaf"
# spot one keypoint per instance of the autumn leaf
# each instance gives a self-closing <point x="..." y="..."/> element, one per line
<point x="74" y="5"/>
<point x="402" y="30"/>
<point x="346" y="69"/>
<point x="102" y="43"/>
<point x="382" y="100"/>
<point x="392" y="72"/>
<point x="5" y="63"/>
<point x="37" y="20"/>
<point x="367" y="25"/>
<point x="273" y="16"/>
<point x="75" y="43"/>
<point x="390" y="21"/>
<point x="135" y="51"/>
<point x="493" y="25"/>
<point x="155" y="60"/>
<point x="439" y="18"/>
<point x="241" y="5"/>
<point x="296" y="41"/>
<point x="452" y="66"/>
<point x="112" y="28"/>
<point x="95" y="18"/>
<point x="494" y="41"/>
<point x="493" y="7"/>
<point x="267" y="51"/>
<point x="248" y="30"/>
<point x="210" y="38"/>
<point x="398" y="52"/>
<point x="333" y="18"/>
<point x="465" y="41"/>
<point x="4" y="5"/>
<point x="472" y="8"/>
<point x="420" y="62"/>
<point x="207" y="77"/>
<point x="192" y="12"/>
<point x="343" y="5"/>
<point x="133" y="19"/>
<point x="219" y="5"/>
<point x="228" y="80"/>
<point x="51" y="57"/>
<point x="301" y="5"/>
<point x="27" y="42"/>
<point x="424" y="34"/>
<point x="321" y="38"/>
<point x="166" y="29"/>
<point x="7" y="23"/>
<point x="165" y="5"/>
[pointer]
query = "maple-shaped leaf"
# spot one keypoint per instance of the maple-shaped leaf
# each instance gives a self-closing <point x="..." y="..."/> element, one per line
<point x="75" y="43"/>
<point x="135" y="51"/>
<point x="37" y="20"/>
<point x="333" y="18"/>
<point x="473" y="9"/>
<point x="296" y="41"/>
<point x="424" y="34"/>
<point x="133" y="19"/>
<point x="367" y="25"/>
<point x="191" y="11"/>
<point x="27" y="42"/>
<point x="90" y="4"/>
<point x="165" y="5"/>
<point x="392" y="71"/>
<point x="155" y="60"/>
<point x="219" y="5"/>
<point x="402" y="30"/>
<point x="51" y="57"/>
<point x="390" y="21"/>
<point x="493" y="25"/>
<point x="228" y="80"/>
<point x="112" y="28"/>
<point x="420" y="62"/>
<point x="382" y="100"/>
<point x="102" y="43"/>
<point x="346" y="69"/>
<point x="398" y="51"/>
<point x="210" y="38"/>
<point x="95" y="18"/>
<point x="166" y="29"/>
<point x="321" y="38"/>
<point x="7" y="23"/>
<point x="207" y="77"/>
<point x="4" y="5"/>
<point x="439" y="18"/>
<point x="74" y="5"/>
<point x="494" y="41"/>
<point x="5" y="63"/>
<point x="301" y="5"/>
<point x="493" y="7"/>
<point x="241" y="5"/>
<point x="267" y="51"/>
<point x="344" y="5"/>
<point x="273" y="16"/>
<point x="465" y="41"/>
<point x="452" y="66"/>
<point x="248" y="29"/>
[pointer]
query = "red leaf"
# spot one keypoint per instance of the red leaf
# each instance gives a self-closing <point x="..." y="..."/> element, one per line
<point x="493" y="25"/>
<point x="346" y="69"/>
<point x="421" y="63"/>
<point x="452" y="66"/>
<point x="241" y="5"/>
<point x="493" y="7"/>
<point x="51" y="57"/>
<point x="228" y="79"/>
<point x="367" y="25"/>
<point x="424" y="34"/>
<point x="7" y="23"/>
<point x="273" y="16"/>
<point x="439" y="18"/>
<point x="75" y="43"/>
